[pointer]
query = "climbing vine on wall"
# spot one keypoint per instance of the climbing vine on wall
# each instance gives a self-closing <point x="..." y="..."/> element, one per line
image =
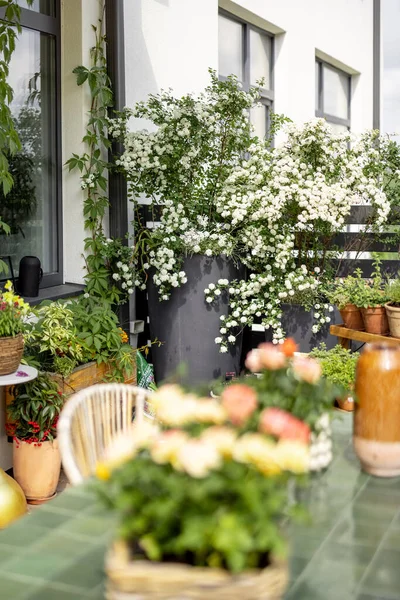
<point x="108" y="260"/>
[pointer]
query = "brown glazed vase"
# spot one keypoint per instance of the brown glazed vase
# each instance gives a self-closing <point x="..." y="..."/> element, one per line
<point x="375" y="320"/>
<point x="352" y="318"/>
<point x="376" y="435"/>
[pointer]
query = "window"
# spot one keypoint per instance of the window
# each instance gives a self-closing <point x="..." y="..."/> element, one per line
<point x="33" y="206"/>
<point x="247" y="52"/>
<point x="332" y="95"/>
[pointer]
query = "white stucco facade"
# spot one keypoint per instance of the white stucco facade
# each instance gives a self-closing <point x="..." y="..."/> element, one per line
<point x="172" y="43"/>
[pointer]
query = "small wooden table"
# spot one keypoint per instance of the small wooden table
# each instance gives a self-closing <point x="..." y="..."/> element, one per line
<point x="346" y="335"/>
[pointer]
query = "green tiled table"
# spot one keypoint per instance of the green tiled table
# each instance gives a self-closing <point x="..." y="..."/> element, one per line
<point x="350" y="551"/>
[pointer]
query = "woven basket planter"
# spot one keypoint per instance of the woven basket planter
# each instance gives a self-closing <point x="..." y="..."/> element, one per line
<point x="129" y="579"/>
<point x="11" y="350"/>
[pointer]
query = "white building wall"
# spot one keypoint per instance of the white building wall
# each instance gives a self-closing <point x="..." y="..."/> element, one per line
<point x="171" y="43"/>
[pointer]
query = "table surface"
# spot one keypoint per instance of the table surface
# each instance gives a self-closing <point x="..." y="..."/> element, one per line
<point x="351" y="550"/>
<point x="22" y="375"/>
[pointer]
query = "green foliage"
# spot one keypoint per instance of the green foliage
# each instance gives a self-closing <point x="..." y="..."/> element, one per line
<point x="12" y="312"/>
<point x="229" y="519"/>
<point x="392" y="291"/>
<point x="20" y="203"/>
<point x="68" y="334"/>
<point x="35" y="410"/>
<point x="103" y="254"/>
<point x="338" y="364"/>
<point x="354" y="289"/>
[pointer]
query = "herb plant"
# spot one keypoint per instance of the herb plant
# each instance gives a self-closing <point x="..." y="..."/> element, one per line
<point x="338" y="364"/>
<point x="392" y="292"/>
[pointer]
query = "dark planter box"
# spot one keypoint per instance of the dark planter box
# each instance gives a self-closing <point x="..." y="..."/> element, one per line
<point x="187" y="325"/>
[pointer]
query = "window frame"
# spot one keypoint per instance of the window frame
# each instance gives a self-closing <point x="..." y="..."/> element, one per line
<point x="52" y="26"/>
<point x="267" y="95"/>
<point x="319" y="110"/>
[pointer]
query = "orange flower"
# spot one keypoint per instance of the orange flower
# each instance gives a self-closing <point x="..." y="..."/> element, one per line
<point x="239" y="401"/>
<point x="289" y="347"/>
<point x="278" y="422"/>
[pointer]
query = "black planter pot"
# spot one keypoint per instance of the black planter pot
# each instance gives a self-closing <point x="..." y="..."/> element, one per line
<point x="30" y="276"/>
<point x="297" y="323"/>
<point x="187" y="325"/>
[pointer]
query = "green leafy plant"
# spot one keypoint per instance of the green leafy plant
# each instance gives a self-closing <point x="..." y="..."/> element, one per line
<point x="392" y="292"/>
<point x="371" y="292"/>
<point x="34" y="411"/>
<point x="12" y="312"/>
<point x="345" y="291"/>
<point x="108" y="260"/>
<point x="338" y="364"/>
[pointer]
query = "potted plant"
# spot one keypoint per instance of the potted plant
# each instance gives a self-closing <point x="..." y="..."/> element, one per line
<point x="189" y="526"/>
<point x="36" y="458"/>
<point x="339" y="367"/>
<point x="80" y="344"/>
<point x="371" y="300"/>
<point x="344" y="293"/>
<point x="181" y="166"/>
<point x="12" y="312"/>
<point x="285" y="382"/>
<point x="393" y="307"/>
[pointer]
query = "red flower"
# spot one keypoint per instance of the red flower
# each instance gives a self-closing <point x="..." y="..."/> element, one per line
<point x="278" y="422"/>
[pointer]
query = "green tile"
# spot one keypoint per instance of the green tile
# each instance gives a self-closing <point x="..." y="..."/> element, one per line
<point x="87" y="573"/>
<point x="385" y="485"/>
<point x="71" y="502"/>
<point x="330" y="589"/>
<point x="45" y="517"/>
<point x="52" y="593"/>
<point x="39" y="565"/>
<point x="388" y="500"/>
<point x="90" y="526"/>
<point x="392" y="540"/>
<point x="296" y="566"/>
<point x="23" y="533"/>
<point x="304" y="544"/>
<point x="62" y="545"/>
<point x="383" y="577"/>
<point x="354" y="532"/>
<point x="14" y="589"/>
<point x="6" y="553"/>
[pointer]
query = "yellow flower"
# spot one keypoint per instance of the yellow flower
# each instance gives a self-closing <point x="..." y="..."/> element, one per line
<point x="223" y="438"/>
<point x="255" y="449"/>
<point x="293" y="456"/>
<point x="8" y="285"/>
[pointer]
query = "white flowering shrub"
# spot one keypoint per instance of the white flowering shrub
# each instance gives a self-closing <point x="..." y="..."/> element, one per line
<point x="221" y="191"/>
<point x="288" y="203"/>
<point x="182" y="166"/>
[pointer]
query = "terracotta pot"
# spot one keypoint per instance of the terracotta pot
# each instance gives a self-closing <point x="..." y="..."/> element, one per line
<point x="37" y="469"/>
<point x="352" y="318"/>
<point x="12" y="500"/>
<point x="377" y="411"/>
<point x="375" y="320"/>
<point x="346" y="403"/>
<point x="393" y="316"/>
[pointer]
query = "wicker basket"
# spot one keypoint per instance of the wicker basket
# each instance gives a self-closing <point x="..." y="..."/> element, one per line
<point x="11" y="350"/>
<point x="129" y="579"/>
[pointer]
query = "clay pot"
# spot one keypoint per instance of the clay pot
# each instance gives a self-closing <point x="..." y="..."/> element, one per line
<point x="37" y="469"/>
<point x="346" y="403"/>
<point x="377" y="411"/>
<point x="352" y="318"/>
<point x="12" y="500"/>
<point x="375" y="320"/>
<point x="393" y="316"/>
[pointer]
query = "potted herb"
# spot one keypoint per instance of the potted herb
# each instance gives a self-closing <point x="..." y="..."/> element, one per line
<point x="12" y="312"/>
<point x="36" y="458"/>
<point x="339" y="367"/>
<point x="344" y="293"/>
<point x="371" y="299"/>
<point x="200" y="503"/>
<point x="393" y="307"/>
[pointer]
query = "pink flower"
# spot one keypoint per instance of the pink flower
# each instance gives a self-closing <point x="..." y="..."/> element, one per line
<point x="307" y="369"/>
<point x="278" y="422"/>
<point x="239" y="401"/>
<point x="271" y="357"/>
<point x="253" y="362"/>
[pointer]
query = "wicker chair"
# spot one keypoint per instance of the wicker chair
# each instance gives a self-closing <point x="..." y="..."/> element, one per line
<point x="91" y="420"/>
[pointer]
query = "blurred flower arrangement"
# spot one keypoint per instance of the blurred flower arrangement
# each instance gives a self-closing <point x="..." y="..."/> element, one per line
<point x="202" y="487"/>
<point x="13" y="309"/>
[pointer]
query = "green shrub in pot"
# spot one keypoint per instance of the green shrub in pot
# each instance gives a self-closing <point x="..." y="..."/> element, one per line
<point x="392" y="307"/>
<point x="339" y="367"/>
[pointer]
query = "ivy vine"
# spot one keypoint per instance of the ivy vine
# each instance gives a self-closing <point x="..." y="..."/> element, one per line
<point x="108" y="260"/>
